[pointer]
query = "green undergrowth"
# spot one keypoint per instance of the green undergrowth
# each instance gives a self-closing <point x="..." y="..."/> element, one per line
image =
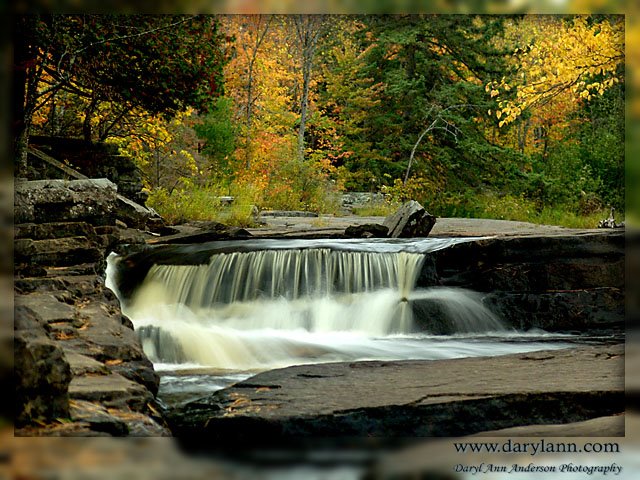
<point x="520" y="209"/>
<point x="204" y="204"/>
<point x="201" y="204"/>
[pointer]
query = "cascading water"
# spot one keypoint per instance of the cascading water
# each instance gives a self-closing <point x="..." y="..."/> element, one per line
<point x="247" y="311"/>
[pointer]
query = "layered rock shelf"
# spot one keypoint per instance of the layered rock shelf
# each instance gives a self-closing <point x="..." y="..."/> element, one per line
<point x="570" y="282"/>
<point x="80" y="368"/>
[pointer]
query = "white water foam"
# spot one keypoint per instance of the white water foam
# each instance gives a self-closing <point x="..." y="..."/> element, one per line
<point x="254" y="311"/>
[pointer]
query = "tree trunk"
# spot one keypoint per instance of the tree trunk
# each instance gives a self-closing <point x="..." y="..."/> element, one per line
<point x="260" y="35"/>
<point x="88" y="115"/>
<point x="308" y="28"/>
<point x="23" y="98"/>
<point x="249" y="118"/>
<point x="304" y="105"/>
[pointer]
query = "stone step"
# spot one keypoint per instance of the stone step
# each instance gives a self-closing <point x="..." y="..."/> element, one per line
<point x="46" y="307"/>
<point x="57" y="252"/>
<point x="46" y="231"/>
<point x="74" y="270"/>
<point x="115" y="422"/>
<point x="74" y="285"/>
<point x="111" y="390"/>
<point x="42" y="201"/>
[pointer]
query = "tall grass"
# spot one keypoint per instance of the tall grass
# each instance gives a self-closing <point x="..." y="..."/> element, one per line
<point x="515" y="208"/>
<point x="498" y="207"/>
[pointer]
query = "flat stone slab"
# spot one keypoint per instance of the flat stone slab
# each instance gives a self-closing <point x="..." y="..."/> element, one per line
<point x="110" y="390"/>
<point x="47" y="307"/>
<point x="328" y="225"/>
<point x="82" y="365"/>
<point x="413" y="398"/>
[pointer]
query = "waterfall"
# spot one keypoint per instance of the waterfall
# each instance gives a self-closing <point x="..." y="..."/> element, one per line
<point x="291" y="274"/>
<point x="263" y="309"/>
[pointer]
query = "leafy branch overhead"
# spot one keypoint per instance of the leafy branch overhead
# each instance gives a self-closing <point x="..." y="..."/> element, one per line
<point x="569" y="56"/>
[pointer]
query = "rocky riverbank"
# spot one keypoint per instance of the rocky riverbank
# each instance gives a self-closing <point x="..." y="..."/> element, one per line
<point x="80" y="368"/>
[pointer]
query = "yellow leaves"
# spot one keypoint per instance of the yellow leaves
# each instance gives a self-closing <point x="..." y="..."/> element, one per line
<point x="563" y="58"/>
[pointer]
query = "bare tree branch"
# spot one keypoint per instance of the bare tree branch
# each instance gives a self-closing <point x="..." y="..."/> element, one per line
<point x="448" y="127"/>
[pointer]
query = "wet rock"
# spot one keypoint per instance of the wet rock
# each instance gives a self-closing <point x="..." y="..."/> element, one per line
<point x="133" y="214"/>
<point x="75" y="285"/>
<point x="141" y="425"/>
<point x="410" y="220"/>
<point x="104" y="337"/>
<point x="46" y="307"/>
<point x="98" y="418"/>
<point x="555" y="282"/>
<point x="71" y="340"/>
<point x="139" y="371"/>
<point x="57" y="251"/>
<point x="82" y="365"/>
<point x="42" y="371"/>
<point x="81" y="269"/>
<point x="575" y="310"/>
<point x="368" y="230"/>
<point x="47" y="231"/>
<point x="202" y="232"/>
<point x="412" y="398"/>
<point x="535" y="263"/>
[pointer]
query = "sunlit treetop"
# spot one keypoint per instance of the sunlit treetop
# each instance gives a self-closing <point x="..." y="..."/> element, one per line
<point x="578" y="55"/>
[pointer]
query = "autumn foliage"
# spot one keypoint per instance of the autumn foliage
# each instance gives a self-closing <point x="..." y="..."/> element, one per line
<point x="503" y="116"/>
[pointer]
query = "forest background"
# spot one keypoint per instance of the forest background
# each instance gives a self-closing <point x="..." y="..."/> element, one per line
<point x="512" y="117"/>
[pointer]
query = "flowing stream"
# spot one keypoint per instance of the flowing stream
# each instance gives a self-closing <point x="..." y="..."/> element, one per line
<point x="207" y="326"/>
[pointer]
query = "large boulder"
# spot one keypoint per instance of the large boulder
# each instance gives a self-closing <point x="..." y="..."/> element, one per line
<point x="92" y="200"/>
<point x="44" y="201"/>
<point x="135" y="215"/>
<point x="410" y="220"/>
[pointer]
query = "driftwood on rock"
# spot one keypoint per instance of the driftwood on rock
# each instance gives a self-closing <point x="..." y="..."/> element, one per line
<point x="410" y="220"/>
<point x="610" y="222"/>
